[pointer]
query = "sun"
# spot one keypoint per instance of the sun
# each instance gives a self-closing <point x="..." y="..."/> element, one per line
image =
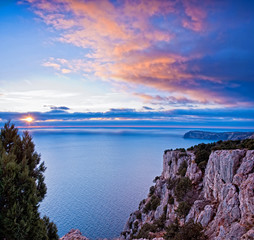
<point x="28" y="119"/>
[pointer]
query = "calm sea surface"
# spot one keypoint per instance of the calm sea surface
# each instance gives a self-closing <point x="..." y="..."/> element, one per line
<point x="97" y="177"/>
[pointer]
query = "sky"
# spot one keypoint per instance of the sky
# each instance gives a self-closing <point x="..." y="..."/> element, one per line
<point x="134" y="62"/>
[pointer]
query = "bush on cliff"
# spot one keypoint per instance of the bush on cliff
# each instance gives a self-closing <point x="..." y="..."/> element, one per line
<point x="202" y="151"/>
<point x="183" y="209"/>
<point x="151" y="191"/>
<point x="145" y="230"/>
<point x="152" y="204"/>
<point x="189" y="231"/>
<point x="182" y="186"/>
<point x="22" y="188"/>
<point x="182" y="169"/>
<point x="171" y="183"/>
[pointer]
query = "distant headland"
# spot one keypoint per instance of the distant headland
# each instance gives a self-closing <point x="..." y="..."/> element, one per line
<point x="219" y="135"/>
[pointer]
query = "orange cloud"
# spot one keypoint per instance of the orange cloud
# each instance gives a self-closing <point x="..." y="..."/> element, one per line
<point x="122" y="41"/>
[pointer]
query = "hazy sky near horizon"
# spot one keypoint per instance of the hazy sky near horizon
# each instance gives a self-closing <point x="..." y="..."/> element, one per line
<point x="176" y="61"/>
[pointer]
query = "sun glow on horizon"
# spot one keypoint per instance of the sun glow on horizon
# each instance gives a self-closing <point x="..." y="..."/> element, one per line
<point x="28" y="119"/>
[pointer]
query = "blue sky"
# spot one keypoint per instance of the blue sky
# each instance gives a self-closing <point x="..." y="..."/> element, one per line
<point x="174" y="62"/>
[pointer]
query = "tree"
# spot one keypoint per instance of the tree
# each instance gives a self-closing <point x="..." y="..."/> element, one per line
<point x="22" y="188"/>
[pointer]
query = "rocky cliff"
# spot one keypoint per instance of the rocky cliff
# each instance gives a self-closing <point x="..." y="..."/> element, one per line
<point x="220" y="198"/>
<point x="73" y="234"/>
<point x="219" y="135"/>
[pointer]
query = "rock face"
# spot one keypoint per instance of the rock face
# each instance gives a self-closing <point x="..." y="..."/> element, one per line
<point x="219" y="135"/>
<point x="74" y="234"/>
<point x="221" y="199"/>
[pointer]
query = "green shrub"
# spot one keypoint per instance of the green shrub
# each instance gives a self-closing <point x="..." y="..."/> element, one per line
<point x="160" y="222"/>
<point x="202" y="156"/>
<point x="182" y="169"/>
<point x="155" y="202"/>
<point x="156" y="178"/>
<point x="141" y="203"/>
<point x="145" y="230"/>
<point x="151" y="191"/>
<point x="189" y="231"/>
<point x="130" y="225"/>
<point x="202" y="151"/>
<point x="183" y="185"/>
<point x="202" y="166"/>
<point x="136" y="224"/>
<point x="181" y="150"/>
<point x="183" y="209"/>
<point x="172" y="230"/>
<point x="168" y="150"/>
<point x="139" y="215"/>
<point x="152" y="204"/>
<point x="171" y="183"/>
<point x="183" y="154"/>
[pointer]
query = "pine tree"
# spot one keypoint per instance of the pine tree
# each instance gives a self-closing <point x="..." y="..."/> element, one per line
<point x="22" y="188"/>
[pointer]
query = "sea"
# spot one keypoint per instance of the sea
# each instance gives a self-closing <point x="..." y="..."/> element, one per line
<point x="96" y="177"/>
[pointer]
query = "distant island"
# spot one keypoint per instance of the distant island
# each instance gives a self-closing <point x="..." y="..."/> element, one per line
<point x="219" y="135"/>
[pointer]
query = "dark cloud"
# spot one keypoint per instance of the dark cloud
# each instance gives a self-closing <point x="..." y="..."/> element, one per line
<point x="59" y="108"/>
<point x="52" y="107"/>
<point x="147" y="108"/>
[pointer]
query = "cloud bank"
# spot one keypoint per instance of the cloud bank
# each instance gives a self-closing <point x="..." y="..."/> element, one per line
<point x="185" y="117"/>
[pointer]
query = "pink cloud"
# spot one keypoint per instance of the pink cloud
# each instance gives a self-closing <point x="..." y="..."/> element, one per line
<point x="122" y="42"/>
<point x="196" y="15"/>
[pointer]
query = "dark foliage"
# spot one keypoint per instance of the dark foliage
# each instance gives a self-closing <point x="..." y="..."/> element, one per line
<point x="171" y="183"/>
<point x="139" y="215"/>
<point x="151" y="191"/>
<point x="51" y="229"/>
<point x="145" y="230"/>
<point x="152" y="204"/>
<point x="182" y="186"/>
<point x="172" y="230"/>
<point x="141" y="203"/>
<point x="168" y="150"/>
<point x="203" y="151"/>
<point x="181" y="150"/>
<point x="156" y="178"/>
<point x="183" y="209"/>
<point x="182" y="169"/>
<point x="22" y="188"/>
<point x="189" y="231"/>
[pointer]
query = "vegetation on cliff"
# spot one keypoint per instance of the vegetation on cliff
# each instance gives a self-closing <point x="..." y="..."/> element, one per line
<point x="22" y="188"/>
<point x="189" y="231"/>
<point x="203" y="151"/>
<point x="183" y="200"/>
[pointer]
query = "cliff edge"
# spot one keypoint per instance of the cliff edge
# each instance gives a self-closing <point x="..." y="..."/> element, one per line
<point x="217" y="199"/>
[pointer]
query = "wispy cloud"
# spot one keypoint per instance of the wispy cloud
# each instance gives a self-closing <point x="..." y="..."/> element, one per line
<point x="178" y="47"/>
